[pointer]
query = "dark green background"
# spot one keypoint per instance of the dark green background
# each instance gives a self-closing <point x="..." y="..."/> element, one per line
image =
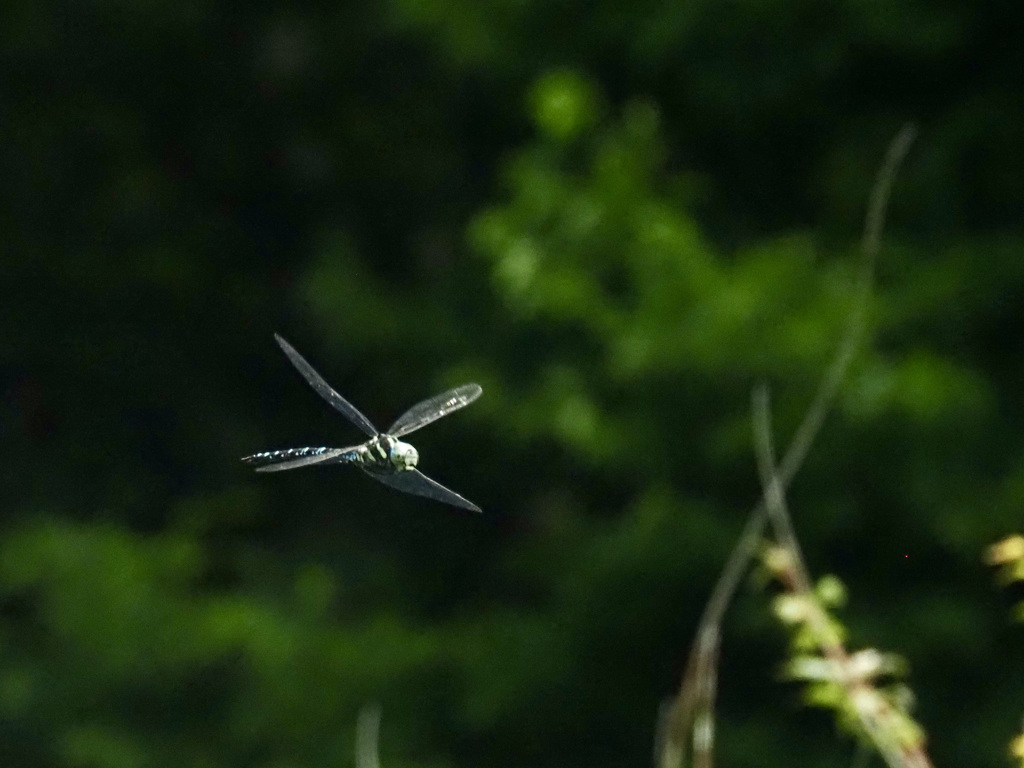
<point x="616" y="217"/>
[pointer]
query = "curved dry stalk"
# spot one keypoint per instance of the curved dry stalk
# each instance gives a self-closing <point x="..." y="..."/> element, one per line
<point x="695" y="702"/>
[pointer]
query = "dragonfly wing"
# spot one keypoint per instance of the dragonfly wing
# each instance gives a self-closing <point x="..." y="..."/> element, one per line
<point x="324" y="389"/>
<point x="293" y="458"/>
<point x="433" y="408"/>
<point x="415" y="482"/>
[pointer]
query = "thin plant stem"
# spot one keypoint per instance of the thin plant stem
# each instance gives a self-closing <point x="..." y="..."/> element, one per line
<point x="695" y="700"/>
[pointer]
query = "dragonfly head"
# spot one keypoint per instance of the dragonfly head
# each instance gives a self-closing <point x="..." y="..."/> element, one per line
<point x="403" y="456"/>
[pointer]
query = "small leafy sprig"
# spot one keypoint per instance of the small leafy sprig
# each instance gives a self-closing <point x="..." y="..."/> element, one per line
<point x="1007" y="556"/>
<point x="861" y="687"/>
<point x="851" y="684"/>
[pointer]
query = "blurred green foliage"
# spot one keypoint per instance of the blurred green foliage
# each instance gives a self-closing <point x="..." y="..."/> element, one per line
<point x="617" y="218"/>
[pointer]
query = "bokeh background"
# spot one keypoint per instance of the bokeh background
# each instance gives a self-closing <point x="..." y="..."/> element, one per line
<point x="616" y="217"/>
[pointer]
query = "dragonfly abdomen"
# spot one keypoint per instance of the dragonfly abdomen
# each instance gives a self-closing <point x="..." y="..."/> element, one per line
<point x="270" y="457"/>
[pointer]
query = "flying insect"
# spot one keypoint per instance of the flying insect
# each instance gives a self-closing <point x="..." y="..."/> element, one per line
<point x="384" y="457"/>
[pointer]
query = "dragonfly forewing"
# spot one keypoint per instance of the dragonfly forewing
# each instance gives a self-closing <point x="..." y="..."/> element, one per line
<point x="433" y="408"/>
<point x="325" y="390"/>
<point x="415" y="482"/>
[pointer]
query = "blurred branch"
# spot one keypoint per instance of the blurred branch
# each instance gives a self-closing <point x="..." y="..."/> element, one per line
<point x="367" y="736"/>
<point x="691" y="713"/>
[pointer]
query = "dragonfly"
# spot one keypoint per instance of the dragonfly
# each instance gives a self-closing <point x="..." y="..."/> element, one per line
<point x="384" y="457"/>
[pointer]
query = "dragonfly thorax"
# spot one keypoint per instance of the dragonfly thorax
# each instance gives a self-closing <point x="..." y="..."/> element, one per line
<point x="388" y="454"/>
